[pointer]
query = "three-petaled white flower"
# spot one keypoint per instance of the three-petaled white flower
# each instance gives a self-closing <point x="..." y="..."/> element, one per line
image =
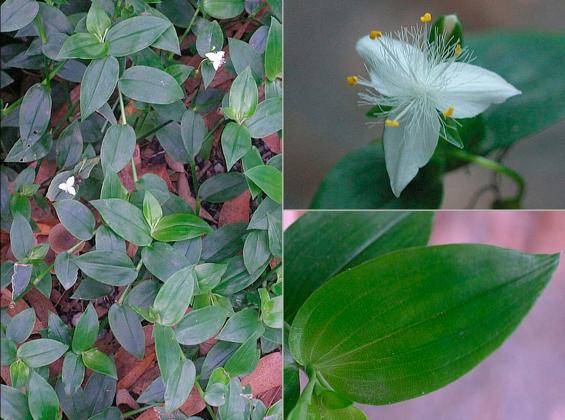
<point x="216" y="58"/>
<point x="419" y="85"/>
<point x="69" y="186"/>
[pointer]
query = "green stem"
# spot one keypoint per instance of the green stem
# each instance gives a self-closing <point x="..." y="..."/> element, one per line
<point x="153" y="130"/>
<point x="201" y="393"/>
<point x="187" y="30"/>
<point x="196" y="186"/>
<point x="496" y="167"/>
<point x="124" y="122"/>
<point x="129" y="286"/>
<point x="132" y="413"/>
<point x="48" y="269"/>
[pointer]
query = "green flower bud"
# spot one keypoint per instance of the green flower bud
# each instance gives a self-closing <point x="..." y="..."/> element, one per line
<point x="449" y="30"/>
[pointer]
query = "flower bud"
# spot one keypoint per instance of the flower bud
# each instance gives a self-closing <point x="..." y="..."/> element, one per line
<point x="448" y="29"/>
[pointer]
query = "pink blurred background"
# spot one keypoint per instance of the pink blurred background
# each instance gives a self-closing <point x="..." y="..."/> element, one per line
<point x="525" y="378"/>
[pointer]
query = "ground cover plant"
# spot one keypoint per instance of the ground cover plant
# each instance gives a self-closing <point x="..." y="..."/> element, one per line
<point x="374" y="315"/>
<point x="141" y="209"/>
<point x="446" y="101"/>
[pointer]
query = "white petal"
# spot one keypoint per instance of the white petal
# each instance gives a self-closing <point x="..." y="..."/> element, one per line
<point x="63" y="186"/>
<point x="410" y="146"/>
<point x="71" y="180"/>
<point x="390" y="63"/>
<point x="470" y="89"/>
<point x="72" y="191"/>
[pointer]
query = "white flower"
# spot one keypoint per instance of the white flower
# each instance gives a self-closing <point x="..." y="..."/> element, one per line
<point x="419" y="84"/>
<point x="216" y="58"/>
<point x="68" y="185"/>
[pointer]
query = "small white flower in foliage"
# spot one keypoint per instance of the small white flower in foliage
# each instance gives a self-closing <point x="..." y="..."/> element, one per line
<point x="68" y="185"/>
<point x="420" y="86"/>
<point x="216" y="58"/>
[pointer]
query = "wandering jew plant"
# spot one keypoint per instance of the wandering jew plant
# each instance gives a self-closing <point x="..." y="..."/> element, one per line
<point x="422" y="84"/>
<point x="141" y="192"/>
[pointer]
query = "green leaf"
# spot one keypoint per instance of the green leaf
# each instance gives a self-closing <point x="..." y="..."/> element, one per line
<point x="336" y="241"/>
<point x="151" y="85"/>
<point x="243" y="55"/>
<point x="16" y="14"/>
<point x="76" y="217"/>
<point x="21" y="325"/>
<point x="241" y="326"/>
<point x="69" y="145"/>
<point x="20" y="279"/>
<point x="208" y="72"/>
<point x="236" y="142"/>
<point x="532" y="62"/>
<point x="73" y="372"/>
<point x="200" y="325"/>
<point x="193" y="132"/>
<point x="86" y="330"/>
<point x="271" y="309"/>
<point x="35" y="113"/>
<point x="269" y="179"/>
<point x="19" y="374"/>
<point x="109" y="267"/>
<point x="245" y="358"/>
<point x="112" y="187"/>
<point x="125" y="219"/>
<point x="223" y="9"/>
<point x="273" y="51"/>
<point x="291" y="390"/>
<point x="14" y="403"/>
<point x="151" y="209"/>
<point x="243" y="96"/>
<point x="167" y="349"/>
<point x="100" y="391"/>
<point x="359" y="181"/>
<point x="222" y="187"/>
<point x="267" y="119"/>
<point x="209" y="276"/>
<point x="97" y="21"/>
<point x="127" y="329"/>
<point x="162" y="260"/>
<point x="99" y="362"/>
<point x="83" y="45"/>
<point x="256" y="253"/>
<point x="43" y="401"/>
<point x="118" y="146"/>
<point x="8" y="355"/>
<point x="180" y="227"/>
<point x="416" y="319"/>
<point x="98" y="83"/>
<point x="41" y="352"/>
<point x="179" y="384"/>
<point x="209" y="38"/>
<point x="66" y="270"/>
<point x="175" y="296"/>
<point x="217" y="388"/>
<point x="135" y="34"/>
<point x="21" y="237"/>
<point x="58" y="330"/>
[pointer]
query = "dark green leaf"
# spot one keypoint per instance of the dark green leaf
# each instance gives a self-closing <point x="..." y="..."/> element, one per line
<point x="58" y="330"/>
<point x="43" y="401"/>
<point x="273" y="51"/>
<point x="256" y="253"/>
<point x="83" y="45"/>
<point x="236" y="142"/>
<point x="99" y="362"/>
<point x="223" y="9"/>
<point x="125" y="219"/>
<point x="41" y="352"/>
<point x="35" y="112"/>
<point x="97" y="21"/>
<point x="222" y="187"/>
<point x="267" y="119"/>
<point x="8" y="355"/>
<point x="111" y="413"/>
<point x="151" y="209"/>
<point x="209" y="38"/>
<point x="179" y="384"/>
<point x="245" y="358"/>
<point x="90" y="289"/>
<point x="180" y="227"/>
<point x="76" y="217"/>
<point x="209" y="275"/>
<point x="154" y="393"/>
<point x="193" y="132"/>
<point x="223" y="243"/>
<point x="416" y="319"/>
<point x="14" y="403"/>
<point x="243" y="97"/>
<point x="269" y="179"/>
<point x="127" y="329"/>
<point x="162" y="260"/>
<point x="200" y="325"/>
<point x="108" y="267"/>
<point x="135" y="34"/>
<point x="98" y="83"/>
<point x="175" y="296"/>
<point x="151" y="85"/>
<point x="217" y="388"/>
<point x="73" y="372"/>
<point x="167" y="349"/>
<point x="100" y="391"/>
<point x="69" y="145"/>
<point x="360" y="181"/>
<point x="241" y="326"/>
<point x="336" y="241"/>
<point x="21" y="326"/>
<point x="243" y="55"/>
<point x="117" y="149"/>
<point x="16" y="14"/>
<point x="86" y="330"/>
<point x="112" y="187"/>
<point x="21" y="237"/>
<point x="66" y="270"/>
<point x="22" y="153"/>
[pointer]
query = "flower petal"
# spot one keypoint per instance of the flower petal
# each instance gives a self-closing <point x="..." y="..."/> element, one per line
<point x="389" y="62"/>
<point x="470" y="89"/>
<point x="410" y="146"/>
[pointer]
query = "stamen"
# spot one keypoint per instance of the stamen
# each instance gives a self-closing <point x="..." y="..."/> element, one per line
<point x="352" y="80"/>
<point x="426" y="18"/>
<point x="392" y="123"/>
<point x="375" y="34"/>
<point x="457" y="50"/>
<point x="449" y="112"/>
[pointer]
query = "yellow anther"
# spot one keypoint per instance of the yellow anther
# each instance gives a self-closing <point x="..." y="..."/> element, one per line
<point x="458" y="50"/>
<point x="449" y="112"/>
<point x="352" y="80"/>
<point x="392" y="123"/>
<point x="375" y="34"/>
<point x="426" y="18"/>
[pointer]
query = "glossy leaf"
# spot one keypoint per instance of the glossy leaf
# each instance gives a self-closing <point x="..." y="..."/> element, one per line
<point x="14" y="404"/>
<point x="179" y="384"/>
<point x="73" y="372"/>
<point x="152" y="210"/>
<point x="151" y="85"/>
<point x="83" y="45"/>
<point x="118" y="146"/>
<point x="21" y="325"/>
<point x="76" y="217"/>
<point x="193" y="132"/>
<point x="35" y="112"/>
<point x="16" y="14"/>
<point x="222" y="187"/>
<point x="273" y="51"/>
<point x="256" y="253"/>
<point x="134" y="34"/>
<point x="98" y="83"/>
<point x="269" y="179"/>
<point x="162" y="260"/>
<point x="180" y="227"/>
<point x="99" y="362"/>
<point x="43" y="401"/>
<point x="108" y="267"/>
<point x="223" y="9"/>
<point x="127" y="329"/>
<point x="86" y="330"/>
<point x="243" y="97"/>
<point x="245" y="358"/>
<point x="41" y="352"/>
<point x="21" y="237"/>
<point x="241" y="326"/>
<point x="414" y="312"/>
<point x="267" y="119"/>
<point x="200" y="325"/>
<point x="336" y="241"/>
<point x="175" y="296"/>
<point x="236" y="142"/>
<point x="167" y="349"/>
<point x="66" y="270"/>
<point x="97" y="21"/>
<point x="125" y="219"/>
